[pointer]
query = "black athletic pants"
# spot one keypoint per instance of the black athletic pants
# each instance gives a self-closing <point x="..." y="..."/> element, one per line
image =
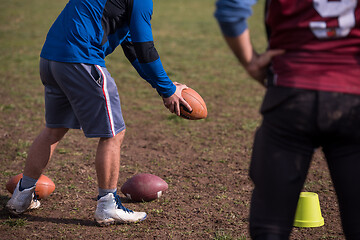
<point x="295" y="123"/>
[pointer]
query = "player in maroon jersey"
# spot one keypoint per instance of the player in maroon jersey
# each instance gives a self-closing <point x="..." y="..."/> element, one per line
<point x="312" y="74"/>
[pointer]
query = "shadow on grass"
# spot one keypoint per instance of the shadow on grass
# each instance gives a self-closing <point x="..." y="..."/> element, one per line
<point x="5" y="215"/>
<point x="66" y="221"/>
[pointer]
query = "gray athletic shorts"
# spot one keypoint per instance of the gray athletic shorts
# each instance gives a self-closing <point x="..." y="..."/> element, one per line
<point x="81" y="96"/>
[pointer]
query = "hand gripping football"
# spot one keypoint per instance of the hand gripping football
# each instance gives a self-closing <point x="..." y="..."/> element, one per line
<point x="44" y="186"/>
<point x="144" y="187"/>
<point x="199" y="110"/>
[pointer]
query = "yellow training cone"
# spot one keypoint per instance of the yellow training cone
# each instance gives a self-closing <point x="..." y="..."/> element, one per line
<point x="308" y="213"/>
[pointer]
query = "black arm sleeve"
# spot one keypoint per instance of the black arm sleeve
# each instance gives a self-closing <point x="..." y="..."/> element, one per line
<point x="146" y="51"/>
<point x="129" y="50"/>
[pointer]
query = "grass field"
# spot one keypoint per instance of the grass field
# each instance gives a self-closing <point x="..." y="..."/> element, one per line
<point x="204" y="162"/>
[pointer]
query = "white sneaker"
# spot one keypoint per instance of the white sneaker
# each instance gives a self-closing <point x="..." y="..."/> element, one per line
<point x="110" y="210"/>
<point x="22" y="201"/>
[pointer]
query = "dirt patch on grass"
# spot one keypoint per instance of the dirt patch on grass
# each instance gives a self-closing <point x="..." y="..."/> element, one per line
<point x="204" y="162"/>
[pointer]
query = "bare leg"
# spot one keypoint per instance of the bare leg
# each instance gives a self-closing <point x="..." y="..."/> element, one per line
<point x="109" y="208"/>
<point x="41" y="150"/>
<point x="107" y="161"/>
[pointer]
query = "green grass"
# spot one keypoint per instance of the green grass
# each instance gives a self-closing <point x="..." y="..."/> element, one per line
<point x="204" y="162"/>
<point x="221" y="235"/>
<point x="16" y="222"/>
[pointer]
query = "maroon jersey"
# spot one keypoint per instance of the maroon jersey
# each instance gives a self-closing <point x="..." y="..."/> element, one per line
<point x="322" y="43"/>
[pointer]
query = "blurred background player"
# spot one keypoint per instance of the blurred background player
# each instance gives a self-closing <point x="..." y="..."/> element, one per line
<point x="80" y="93"/>
<point x="312" y="73"/>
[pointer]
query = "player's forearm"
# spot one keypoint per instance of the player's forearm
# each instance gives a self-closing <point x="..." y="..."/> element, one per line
<point x="241" y="47"/>
<point x="232" y="17"/>
<point x="149" y="66"/>
<point x="255" y="64"/>
<point x="158" y="77"/>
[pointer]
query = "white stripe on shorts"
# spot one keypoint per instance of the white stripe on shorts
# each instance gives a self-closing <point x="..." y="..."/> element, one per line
<point x="107" y="99"/>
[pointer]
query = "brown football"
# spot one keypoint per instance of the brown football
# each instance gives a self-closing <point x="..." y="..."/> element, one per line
<point x="144" y="187"/>
<point x="199" y="110"/>
<point x="44" y="186"/>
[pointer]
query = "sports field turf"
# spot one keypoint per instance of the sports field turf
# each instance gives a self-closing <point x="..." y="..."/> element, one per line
<point x="204" y="162"/>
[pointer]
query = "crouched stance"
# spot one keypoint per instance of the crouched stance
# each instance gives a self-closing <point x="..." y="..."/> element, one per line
<point x="81" y="94"/>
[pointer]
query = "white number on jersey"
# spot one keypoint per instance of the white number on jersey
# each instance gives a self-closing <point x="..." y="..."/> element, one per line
<point x="343" y="10"/>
